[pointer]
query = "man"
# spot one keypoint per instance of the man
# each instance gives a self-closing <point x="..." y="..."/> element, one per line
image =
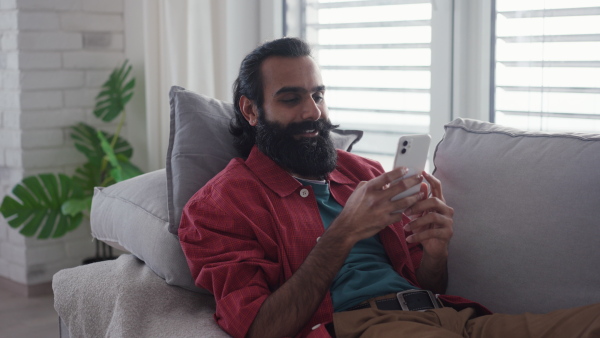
<point x="299" y="239"/>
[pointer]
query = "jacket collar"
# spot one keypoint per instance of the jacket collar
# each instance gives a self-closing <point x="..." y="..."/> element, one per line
<point x="279" y="180"/>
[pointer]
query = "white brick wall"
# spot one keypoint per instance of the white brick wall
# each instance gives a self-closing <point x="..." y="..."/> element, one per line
<point x="51" y="79"/>
<point x="92" y="60"/>
<point x="106" y="6"/>
<point x="10" y="79"/>
<point x="54" y="5"/>
<point x="8" y="4"/>
<point x="10" y="138"/>
<point x="9" y="176"/>
<point x="81" y="98"/>
<point x="96" y="78"/>
<point x="8" y="41"/>
<point x="51" y="157"/>
<point x="103" y="40"/>
<point x="91" y="22"/>
<point x="51" y="118"/>
<point x="54" y="57"/>
<point x="8" y="20"/>
<point x="47" y="99"/>
<point x="42" y="138"/>
<point x="47" y="41"/>
<point x="38" y="21"/>
<point x="12" y="60"/>
<point x="39" y="60"/>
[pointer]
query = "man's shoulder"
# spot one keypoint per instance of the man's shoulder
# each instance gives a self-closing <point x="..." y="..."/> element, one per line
<point x="234" y="176"/>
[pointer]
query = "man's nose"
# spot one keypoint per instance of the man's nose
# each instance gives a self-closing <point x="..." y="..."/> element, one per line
<point x="311" y="111"/>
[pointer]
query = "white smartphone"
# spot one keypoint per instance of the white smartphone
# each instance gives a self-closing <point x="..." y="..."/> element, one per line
<point x="412" y="153"/>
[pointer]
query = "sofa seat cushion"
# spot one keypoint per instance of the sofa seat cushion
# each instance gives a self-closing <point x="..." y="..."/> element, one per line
<point x="527" y="216"/>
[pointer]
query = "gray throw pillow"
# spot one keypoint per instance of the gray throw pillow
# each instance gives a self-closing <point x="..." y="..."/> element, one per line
<point x="200" y="146"/>
<point x="132" y="216"/>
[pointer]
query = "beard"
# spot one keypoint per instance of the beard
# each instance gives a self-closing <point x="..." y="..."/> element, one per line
<point x="311" y="157"/>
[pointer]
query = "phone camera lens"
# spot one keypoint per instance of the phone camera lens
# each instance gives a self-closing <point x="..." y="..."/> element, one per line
<point x="405" y="143"/>
<point x="403" y="151"/>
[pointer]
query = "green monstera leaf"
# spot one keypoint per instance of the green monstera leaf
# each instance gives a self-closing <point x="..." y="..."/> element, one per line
<point x="122" y="168"/>
<point x="37" y="207"/>
<point x="116" y="92"/>
<point x="87" y="177"/>
<point x="74" y="206"/>
<point x="87" y="142"/>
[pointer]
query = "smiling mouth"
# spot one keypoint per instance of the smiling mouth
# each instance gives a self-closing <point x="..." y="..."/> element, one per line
<point x="308" y="133"/>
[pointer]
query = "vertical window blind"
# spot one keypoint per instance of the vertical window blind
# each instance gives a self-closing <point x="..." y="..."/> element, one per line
<point x="547" y="65"/>
<point x="375" y="59"/>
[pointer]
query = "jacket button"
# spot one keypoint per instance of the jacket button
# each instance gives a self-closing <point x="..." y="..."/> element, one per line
<point x="304" y="192"/>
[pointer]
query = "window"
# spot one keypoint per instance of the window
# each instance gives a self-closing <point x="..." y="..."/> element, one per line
<point x="547" y="67"/>
<point x="376" y="61"/>
<point x="409" y="66"/>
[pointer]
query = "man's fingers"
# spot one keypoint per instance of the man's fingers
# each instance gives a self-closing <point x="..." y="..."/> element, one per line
<point x="434" y="204"/>
<point x="406" y="202"/>
<point x="424" y="189"/>
<point x="443" y="234"/>
<point x="432" y="219"/>
<point x="436" y="186"/>
<point x="402" y="185"/>
<point x="383" y="181"/>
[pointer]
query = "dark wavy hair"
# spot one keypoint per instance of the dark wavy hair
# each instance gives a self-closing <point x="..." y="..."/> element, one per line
<point x="249" y="84"/>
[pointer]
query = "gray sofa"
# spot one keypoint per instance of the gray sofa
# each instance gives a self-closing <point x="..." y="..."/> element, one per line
<point x="527" y="229"/>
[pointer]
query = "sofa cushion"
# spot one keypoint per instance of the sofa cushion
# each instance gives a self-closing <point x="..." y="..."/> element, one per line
<point x="200" y="146"/>
<point x="132" y="216"/>
<point x="527" y="216"/>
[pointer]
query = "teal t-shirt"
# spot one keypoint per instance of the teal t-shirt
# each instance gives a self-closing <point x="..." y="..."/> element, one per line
<point x="367" y="272"/>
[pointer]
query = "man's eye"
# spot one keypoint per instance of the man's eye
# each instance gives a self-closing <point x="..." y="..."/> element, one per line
<point x="290" y="100"/>
<point x="318" y="98"/>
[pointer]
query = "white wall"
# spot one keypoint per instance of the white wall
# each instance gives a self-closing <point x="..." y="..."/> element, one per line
<point x="54" y="57"/>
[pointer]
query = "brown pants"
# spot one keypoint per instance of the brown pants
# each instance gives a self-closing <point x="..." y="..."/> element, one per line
<point x="447" y="323"/>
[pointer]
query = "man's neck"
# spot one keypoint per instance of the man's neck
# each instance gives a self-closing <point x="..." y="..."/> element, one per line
<point x="306" y="178"/>
<point x="310" y="180"/>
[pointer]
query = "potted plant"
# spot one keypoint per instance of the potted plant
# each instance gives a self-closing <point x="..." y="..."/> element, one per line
<point x="50" y="205"/>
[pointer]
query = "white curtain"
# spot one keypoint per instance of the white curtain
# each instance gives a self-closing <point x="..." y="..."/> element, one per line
<point x="198" y="45"/>
<point x="179" y="50"/>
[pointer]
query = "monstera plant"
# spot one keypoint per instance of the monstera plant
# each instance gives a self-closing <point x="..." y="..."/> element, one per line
<point x="50" y="205"/>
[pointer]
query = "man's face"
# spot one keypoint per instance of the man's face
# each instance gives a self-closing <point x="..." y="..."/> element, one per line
<point x="293" y="91"/>
<point x="293" y="126"/>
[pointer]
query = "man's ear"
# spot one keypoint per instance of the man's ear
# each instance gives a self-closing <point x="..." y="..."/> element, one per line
<point x="249" y="110"/>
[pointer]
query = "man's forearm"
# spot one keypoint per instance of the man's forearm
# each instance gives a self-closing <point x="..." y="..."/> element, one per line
<point x="433" y="274"/>
<point x="289" y="308"/>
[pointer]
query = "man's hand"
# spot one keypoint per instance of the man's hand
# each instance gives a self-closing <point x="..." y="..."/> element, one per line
<point x="370" y="209"/>
<point x="433" y="229"/>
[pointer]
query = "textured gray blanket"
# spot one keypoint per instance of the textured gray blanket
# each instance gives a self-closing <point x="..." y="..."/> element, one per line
<point x="124" y="298"/>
